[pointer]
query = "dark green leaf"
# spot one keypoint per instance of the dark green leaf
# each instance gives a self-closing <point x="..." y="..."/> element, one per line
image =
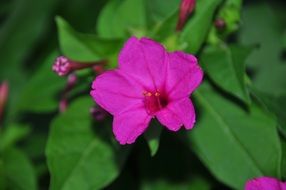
<point x="17" y="171"/>
<point x="194" y="184"/>
<point x="226" y="67"/>
<point x="84" y="47"/>
<point x="11" y="134"/>
<point x="236" y="145"/>
<point x="21" y="31"/>
<point x="40" y="93"/>
<point x="283" y="165"/>
<point x="266" y="64"/>
<point x="197" y="28"/>
<point x="78" y="157"/>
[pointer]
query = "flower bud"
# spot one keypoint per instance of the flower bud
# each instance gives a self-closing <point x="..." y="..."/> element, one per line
<point x="186" y="8"/>
<point x="4" y="91"/>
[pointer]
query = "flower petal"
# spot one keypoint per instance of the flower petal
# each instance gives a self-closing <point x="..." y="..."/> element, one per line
<point x="184" y="75"/>
<point x="145" y="60"/>
<point x="178" y="113"/>
<point x="128" y="125"/>
<point x="264" y="183"/>
<point x="115" y="93"/>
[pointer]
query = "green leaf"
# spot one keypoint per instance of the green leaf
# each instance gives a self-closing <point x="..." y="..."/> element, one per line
<point x="40" y="93"/>
<point x="22" y="26"/>
<point x="120" y="18"/>
<point x="78" y="156"/>
<point x="17" y="171"/>
<point x="84" y="47"/>
<point x="20" y="36"/>
<point x="12" y="134"/>
<point x="235" y="144"/>
<point x="226" y="67"/>
<point x="197" y="28"/>
<point x="152" y="136"/>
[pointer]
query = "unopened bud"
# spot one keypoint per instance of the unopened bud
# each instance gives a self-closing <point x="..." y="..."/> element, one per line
<point x="4" y="91"/>
<point x="186" y="8"/>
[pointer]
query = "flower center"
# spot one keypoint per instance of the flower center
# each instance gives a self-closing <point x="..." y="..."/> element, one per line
<point x="154" y="101"/>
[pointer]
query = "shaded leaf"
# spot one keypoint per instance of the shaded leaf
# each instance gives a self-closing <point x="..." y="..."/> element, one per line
<point x="17" y="171"/>
<point x="265" y="62"/>
<point x="226" y="67"/>
<point x="283" y="165"/>
<point x="78" y="157"/>
<point x="224" y="140"/>
<point x="12" y="134"/>
<point x="40" y="93"/>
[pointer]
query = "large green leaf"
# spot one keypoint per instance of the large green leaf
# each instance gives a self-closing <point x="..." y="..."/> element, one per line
<point x="119" y="18"/>
<point x="235" y="144"/>
<point x="40" y="93"/>
<point x="226" y="67"/>
<point x="16" y="171"/>
<point x="84" y="47"/>
<point x="79" y="157"/>
<point x="197" y="28"/>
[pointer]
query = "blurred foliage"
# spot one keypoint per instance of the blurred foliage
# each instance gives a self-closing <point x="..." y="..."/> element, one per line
<point x="241" y="119"/>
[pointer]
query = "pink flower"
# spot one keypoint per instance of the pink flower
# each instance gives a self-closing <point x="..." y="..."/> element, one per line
<point x="186" y="8"/>
<point x="265" y="183"/>
<point x="150" y="82"/>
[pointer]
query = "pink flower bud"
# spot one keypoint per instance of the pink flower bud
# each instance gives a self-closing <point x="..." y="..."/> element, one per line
<point x="186" y="8"/>
<point x="4" y="91"/>
<point x="62" y="66"/>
